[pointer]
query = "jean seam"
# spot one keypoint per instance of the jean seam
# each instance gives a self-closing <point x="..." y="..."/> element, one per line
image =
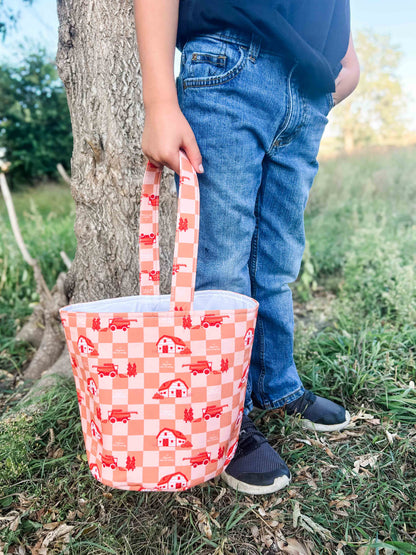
<point x="288" y="111"/>
<point x="214" y="80"/>
<point x="253" y="271"/>
<point x="246" y="43"/>
<point x="286" y="399"/>
<point x="297" y="129"/>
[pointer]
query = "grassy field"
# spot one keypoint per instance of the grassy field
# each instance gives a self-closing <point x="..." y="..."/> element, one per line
<point x="355" y="308"/>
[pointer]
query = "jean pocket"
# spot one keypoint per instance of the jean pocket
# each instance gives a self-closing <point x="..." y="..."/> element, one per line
<point x="208" y="61"/>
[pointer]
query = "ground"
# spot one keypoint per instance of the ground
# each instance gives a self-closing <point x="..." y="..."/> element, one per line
<point x="352" y="491"/>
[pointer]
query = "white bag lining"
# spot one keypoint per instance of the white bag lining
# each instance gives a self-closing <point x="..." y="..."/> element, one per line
<point x="209" y="299"/>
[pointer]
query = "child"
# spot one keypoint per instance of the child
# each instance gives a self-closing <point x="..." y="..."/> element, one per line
<point x="252" y="98"/>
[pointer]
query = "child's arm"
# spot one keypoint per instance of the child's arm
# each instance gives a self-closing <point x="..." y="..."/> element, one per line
<point x="166" y="129"/>
<point x="349" y="75"/>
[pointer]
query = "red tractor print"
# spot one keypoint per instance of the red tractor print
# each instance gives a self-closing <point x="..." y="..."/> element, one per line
<point x="120" y="323"/>
<point x="109" y="460"/>
<point x="231" y="451"/>
<point x="200" y="367"/>
<point x="202" y="458"/>
<point x="147" y="239"/>
<point x="175" y="268"/>
<point x="153" y="199"/>
<point x="212" y="411"/>
<point x="119" y="415"/>
<point x="153" y="275"/>
<point x="107" y="369"/>
<point x="212" y="320"/>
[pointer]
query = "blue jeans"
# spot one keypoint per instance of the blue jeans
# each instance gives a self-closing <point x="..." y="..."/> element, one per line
<point x="258" y="133"/>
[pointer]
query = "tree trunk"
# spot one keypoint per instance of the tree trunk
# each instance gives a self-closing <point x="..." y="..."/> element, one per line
<point x="98" y="63"/>
<point x="97" y="60"/>
<point x="348" y="141"/>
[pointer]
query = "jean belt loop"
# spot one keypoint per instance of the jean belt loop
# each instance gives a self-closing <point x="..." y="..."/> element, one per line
<point x="254" y="49"/>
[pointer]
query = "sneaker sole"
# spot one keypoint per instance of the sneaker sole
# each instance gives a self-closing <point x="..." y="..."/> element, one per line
<point x="326" y="427"/>
<point x="279" y="483"/>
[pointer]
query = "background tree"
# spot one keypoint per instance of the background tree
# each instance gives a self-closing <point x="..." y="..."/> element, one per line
<point x="375" y="113"/>
<point x="9" y="15"/>
<point x="35" y="127"/>
<point x="98" y="63"/>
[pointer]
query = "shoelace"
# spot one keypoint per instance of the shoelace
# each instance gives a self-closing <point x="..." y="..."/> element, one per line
<point x="250" y="437"/>
<point x="301" y="404"/>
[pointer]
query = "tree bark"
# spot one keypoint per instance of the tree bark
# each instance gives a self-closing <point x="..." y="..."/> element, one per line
<point x="98" y="62"/>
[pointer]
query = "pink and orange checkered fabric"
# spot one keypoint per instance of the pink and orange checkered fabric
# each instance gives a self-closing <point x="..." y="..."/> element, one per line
<point x="161" y="393"/>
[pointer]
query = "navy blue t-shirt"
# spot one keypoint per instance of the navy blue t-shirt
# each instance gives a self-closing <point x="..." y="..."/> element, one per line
<point x="314" y="32"/>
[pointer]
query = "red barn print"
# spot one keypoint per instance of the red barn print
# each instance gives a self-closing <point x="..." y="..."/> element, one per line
<point x="85" y="346"/>
<point x="95" y="431"/>
<point x="244" y="376"/>
<point x="231" y="451"/>
<point x="239" y="417"/>
<point x="172" y="388"/>
<point x="171" y="438"/>
<point x="92" y="386"/>
<point x="173" y="482"/>
<point x="95" y="471"/>
<point x="171" y="345"/>
<point x="248" y="338"/>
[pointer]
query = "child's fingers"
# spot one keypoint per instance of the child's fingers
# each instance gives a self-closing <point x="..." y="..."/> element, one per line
<point x="191" y="148"/>
<point x="154" y="162"/>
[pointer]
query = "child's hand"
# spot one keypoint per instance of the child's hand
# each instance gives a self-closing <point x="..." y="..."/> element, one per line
<point x="349" y="75"/>
<point x="345" y="83"/>
<point x="166" y="130"/>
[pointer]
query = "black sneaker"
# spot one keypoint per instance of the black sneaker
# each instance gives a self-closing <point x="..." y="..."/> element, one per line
<point x="318" y="413"/>
<point x="256" y="467"/>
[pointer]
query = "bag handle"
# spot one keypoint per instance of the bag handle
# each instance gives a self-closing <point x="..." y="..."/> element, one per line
<point x="186" y="237"/>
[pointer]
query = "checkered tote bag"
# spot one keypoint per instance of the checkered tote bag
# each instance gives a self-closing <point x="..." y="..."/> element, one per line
<point x="161" y="379"/>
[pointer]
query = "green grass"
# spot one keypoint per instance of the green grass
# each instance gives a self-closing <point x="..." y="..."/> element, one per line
<point x="355" y="342"/>
<point x="46" y="220"/>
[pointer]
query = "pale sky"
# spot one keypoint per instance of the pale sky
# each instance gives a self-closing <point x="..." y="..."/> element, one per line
<point x="39" y="24"/>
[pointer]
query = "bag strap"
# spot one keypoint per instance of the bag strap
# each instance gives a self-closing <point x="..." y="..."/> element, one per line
<point x="186" y="236"/>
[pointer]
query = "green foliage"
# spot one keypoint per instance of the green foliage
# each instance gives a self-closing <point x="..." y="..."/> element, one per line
<point x="361" y="232"/>
<point x="35" y="126"/>
<point x="377" y="112"/>
<point x="46" y="220"/>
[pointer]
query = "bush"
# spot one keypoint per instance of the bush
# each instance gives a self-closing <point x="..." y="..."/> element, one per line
<point x="35" y="128"/>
